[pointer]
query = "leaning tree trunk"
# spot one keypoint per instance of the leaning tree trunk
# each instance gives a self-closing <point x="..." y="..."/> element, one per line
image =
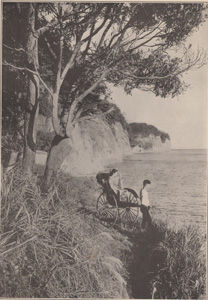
<point x="33" y="93"/>
<point x="60" y="149"/>
<point x="30" y="128"/>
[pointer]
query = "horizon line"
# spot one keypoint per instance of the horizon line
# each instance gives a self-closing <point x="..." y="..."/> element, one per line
<point x="188" y="148"/>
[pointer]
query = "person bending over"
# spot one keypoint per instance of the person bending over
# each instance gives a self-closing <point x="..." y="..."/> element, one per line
<point x="145" y="204"/>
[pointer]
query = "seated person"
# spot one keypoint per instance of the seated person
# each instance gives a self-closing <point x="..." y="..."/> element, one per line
<point x="103" y="180"/>
<point x="116" y="183"/>
<point x="113" y="181"/>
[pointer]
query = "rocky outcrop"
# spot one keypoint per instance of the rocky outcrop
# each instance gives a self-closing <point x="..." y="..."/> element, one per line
<point x="150" y="143"/>
<point x="93" y="145"/>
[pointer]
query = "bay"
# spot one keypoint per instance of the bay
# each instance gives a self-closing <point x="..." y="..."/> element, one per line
<point x="178" y="182"/>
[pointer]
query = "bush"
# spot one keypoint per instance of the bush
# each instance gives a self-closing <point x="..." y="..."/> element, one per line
<point x="180" y="260"/>
<point x="44" y="140"/>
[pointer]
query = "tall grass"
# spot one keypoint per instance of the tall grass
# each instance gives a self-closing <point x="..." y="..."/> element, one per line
<point x="179" y="261"/>
<point x="50" y="249"/>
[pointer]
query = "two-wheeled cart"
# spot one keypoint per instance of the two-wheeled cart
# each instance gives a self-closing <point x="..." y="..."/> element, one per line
<point x="112" y="207"/>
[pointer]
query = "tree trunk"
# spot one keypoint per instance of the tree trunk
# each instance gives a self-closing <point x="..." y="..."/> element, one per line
<point x="60" y="148"/>
<point x="12" y="160"/>
<point x="33" y="93"/>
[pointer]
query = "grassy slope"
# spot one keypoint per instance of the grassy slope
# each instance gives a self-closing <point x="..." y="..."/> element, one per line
<point x="53" y="246"/>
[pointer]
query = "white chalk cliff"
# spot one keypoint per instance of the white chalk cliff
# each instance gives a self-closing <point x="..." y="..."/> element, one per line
<point x="150" y="143"/>
<point x="93" y="145"/>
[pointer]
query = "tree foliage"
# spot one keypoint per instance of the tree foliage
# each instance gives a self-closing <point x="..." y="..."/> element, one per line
<point x="94" y="106"/>
<point x="83" y="45"/>
<point x="14" y="82"/>
<point x="13" y="109"/>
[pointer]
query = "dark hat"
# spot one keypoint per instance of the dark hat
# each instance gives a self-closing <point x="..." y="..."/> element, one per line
<point x="146" y="181"/>
<point x="113" y="171"/>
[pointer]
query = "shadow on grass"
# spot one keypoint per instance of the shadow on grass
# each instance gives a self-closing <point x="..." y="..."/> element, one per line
<point x="145" y="259"/>
<point x="137" y="264"/>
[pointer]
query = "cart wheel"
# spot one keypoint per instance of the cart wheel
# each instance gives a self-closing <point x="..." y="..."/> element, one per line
<point x="107" y="213"/>
<point x="129" y="212"/>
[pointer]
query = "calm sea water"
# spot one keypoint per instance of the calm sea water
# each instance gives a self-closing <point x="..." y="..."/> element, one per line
<point x="179" y="182"/>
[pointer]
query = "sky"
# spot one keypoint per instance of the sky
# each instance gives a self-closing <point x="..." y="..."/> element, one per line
<point x="184" y="117"/>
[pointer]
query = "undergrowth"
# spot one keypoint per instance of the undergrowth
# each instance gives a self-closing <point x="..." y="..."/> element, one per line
<point x="51" y="246"/>
<point x="178" y="261"/>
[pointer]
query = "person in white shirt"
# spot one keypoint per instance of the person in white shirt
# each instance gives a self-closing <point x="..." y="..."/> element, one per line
<point x="145" y="204"/>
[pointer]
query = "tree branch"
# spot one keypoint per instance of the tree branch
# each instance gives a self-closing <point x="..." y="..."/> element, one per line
<point x="53" y="9"/>
<point x="53" y="54"/>
<point x="59" y="62"/>
<point x="89" y="90"/>
<point x="113" y="37"/>
<point x="18" y="50"/>
<point x="71" y="116"/>
<point x="55" y="22"/>
<point x="188" y="67"/>
<point x="96" y="30"/>
<point x="142" y="37"/>
<point x="30" y="71"/>
<point x="88" y="18"/>
<point x="146" y="89"/>
<point x="121" y="33"/>
<point x="89" y="41"/>
<point x="104" y="33"/>
<point x="155" y="45"/>
<point x="70" y="63"/>
<point x="145" y="42"/>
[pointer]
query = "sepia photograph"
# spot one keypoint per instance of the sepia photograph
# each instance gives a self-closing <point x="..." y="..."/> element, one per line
<point x="104" y="150"/>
